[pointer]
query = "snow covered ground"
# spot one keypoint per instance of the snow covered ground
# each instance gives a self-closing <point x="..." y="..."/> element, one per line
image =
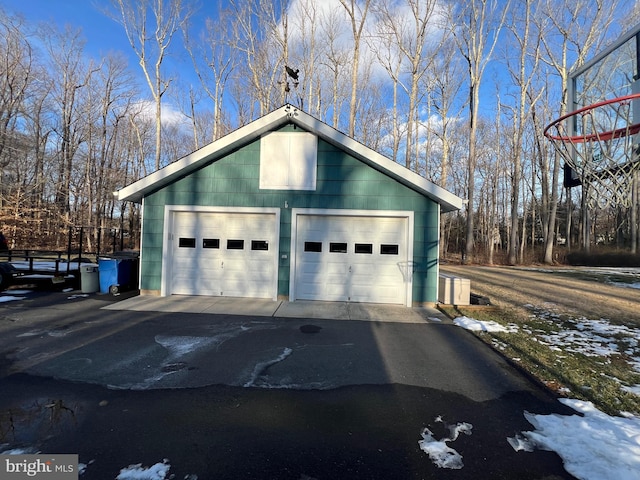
<point x="440" y="453"/>
<point x="12" y="295"/>
<point x="593" y="445"/>
<point x="158" y="471"/>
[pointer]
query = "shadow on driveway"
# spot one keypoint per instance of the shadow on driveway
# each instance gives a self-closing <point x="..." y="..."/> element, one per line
<point x="231" y="396"/>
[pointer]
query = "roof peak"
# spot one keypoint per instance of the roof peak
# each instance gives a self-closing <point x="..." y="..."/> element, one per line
<point x="281" y="116"/>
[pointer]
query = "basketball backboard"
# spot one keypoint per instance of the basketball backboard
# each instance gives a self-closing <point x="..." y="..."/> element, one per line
<point x="599" y="137"/>
<point x="612" y="73"/>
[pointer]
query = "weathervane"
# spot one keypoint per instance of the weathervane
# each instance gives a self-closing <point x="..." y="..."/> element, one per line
<point x="293" y="75"/>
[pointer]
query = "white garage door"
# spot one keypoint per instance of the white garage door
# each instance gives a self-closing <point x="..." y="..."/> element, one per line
<point x="224" y="254"/>
<point x="351" y="258"/>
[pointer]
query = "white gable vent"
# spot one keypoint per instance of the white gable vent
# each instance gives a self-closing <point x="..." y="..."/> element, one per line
<point x="288" y="161"/>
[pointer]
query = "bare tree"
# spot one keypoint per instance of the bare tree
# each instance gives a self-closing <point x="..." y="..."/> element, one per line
<point x="305" y="50"/>
<point x="444" y="81"/>
<point x="16" y="64"/>
<point x="111" y="97"/>
<point x="480" y="25"/>
<point x="372" y="110"/>
<point x="569" y="34"/>
<point x="152" y="47"/>
<point x="357" y="17"/>
<point x="388" y="56"/>
<point x="258" y="38"/>
<point x="335" y="61"/>
<point x="38" y="128"/>
<point x="65" y="51"/>
<point x="214" y="61"/>
<point x="416" y="38"/>
<point x="521" y="70"/>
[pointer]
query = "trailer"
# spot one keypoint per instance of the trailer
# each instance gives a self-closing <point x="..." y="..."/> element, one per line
<point x="32" y="266"/>
<point x="25" y="266"/>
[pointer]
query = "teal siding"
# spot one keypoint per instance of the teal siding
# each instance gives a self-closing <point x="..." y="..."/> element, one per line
<point x="343" y="182"/>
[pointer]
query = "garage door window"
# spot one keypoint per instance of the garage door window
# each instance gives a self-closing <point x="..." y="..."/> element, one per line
<point x="210" y="243"/>
<point x="259" y="245"/>
<point x="313" y="247"/>
<point x="364" y="248"/>
<point x="388" y="249"/>
<point x="338" y="247"/>
<point x="185" y="242"/>
<point x="235" y="244"/>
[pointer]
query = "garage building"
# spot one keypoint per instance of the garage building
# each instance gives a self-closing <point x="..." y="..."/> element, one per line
<point x="287" y="207"/>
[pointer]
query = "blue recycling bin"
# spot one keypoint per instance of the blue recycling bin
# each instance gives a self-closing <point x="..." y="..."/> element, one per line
<point x="108" y="272"/>
<point x="116" y="274"/>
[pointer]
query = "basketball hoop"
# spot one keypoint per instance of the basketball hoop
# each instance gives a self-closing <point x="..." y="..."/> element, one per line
<point x="601" y="148"/>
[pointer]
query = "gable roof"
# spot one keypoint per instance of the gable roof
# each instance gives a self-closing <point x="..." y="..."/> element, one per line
<point x="284" y="115"/>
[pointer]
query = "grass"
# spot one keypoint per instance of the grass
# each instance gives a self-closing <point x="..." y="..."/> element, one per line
<point x="595" y="378"/>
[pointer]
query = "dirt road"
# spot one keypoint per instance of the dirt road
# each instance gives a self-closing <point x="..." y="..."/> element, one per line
<point x="573" y="290"/>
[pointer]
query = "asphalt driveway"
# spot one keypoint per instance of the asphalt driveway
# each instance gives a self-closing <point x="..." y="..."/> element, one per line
<point x="235" y="388"/>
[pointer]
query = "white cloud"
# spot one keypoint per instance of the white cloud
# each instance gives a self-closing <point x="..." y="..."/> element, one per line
<point x="329" y="12"/>
<point x="170" y="116"/>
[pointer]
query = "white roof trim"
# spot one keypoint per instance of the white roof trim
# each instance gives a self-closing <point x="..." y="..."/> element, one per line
<point x="287" y="114"/>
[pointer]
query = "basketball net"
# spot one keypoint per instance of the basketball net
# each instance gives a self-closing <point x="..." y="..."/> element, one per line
<point x="601" y="146"/>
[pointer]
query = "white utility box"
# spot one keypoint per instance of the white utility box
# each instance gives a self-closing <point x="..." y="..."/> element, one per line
<point x="454" y="290"/>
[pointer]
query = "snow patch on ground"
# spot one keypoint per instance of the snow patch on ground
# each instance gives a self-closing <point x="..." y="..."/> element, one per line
<point x="626" y="285"/>
<point x="77" y="295"/>
<point x="622" y="276"/>
<point x="261" y="367"/>
<point x="483" y="326"/>
<point x="138" y="472"/>
<point x="441" y="454"/>
<point x="593" y="338"/>
<point x="178" y="346"/>
<point x="18" y="450"/>
<point x="9" y="298"/>
<point x="592" y="445"/>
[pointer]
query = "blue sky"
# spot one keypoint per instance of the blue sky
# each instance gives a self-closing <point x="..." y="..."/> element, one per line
<point x="102" y="33"/>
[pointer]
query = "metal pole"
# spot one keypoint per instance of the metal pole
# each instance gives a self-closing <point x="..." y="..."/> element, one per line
<point x="80" y="247"/>
<point x="69" y="248"/>
<point x="98" y="247"/>
<point x="634" y="213"/>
